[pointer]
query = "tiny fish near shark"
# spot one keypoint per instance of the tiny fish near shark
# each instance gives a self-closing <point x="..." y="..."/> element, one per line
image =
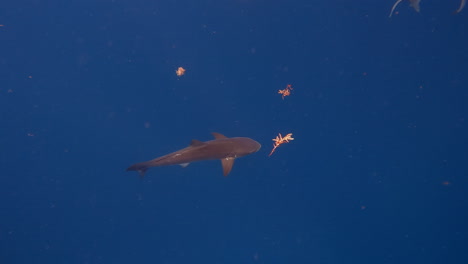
<point x="222" y="148"/>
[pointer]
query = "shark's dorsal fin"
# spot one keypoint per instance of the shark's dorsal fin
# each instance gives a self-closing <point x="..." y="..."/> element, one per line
<point x="196" y="142"/>
<point x="227" y="165"/>
<point x="218" y="135"/>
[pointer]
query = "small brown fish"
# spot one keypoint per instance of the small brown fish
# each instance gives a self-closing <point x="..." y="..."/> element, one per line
<point x="222" y="148"/>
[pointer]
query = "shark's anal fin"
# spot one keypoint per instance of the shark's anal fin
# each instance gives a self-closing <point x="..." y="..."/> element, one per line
<point x="218" y="135"/>
<point x="184" y="164"/>
<point x="227" y="165"/>
<point x="142" y="172"/>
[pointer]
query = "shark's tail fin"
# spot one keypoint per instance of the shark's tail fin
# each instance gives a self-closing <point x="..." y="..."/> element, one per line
<point x="140" y="167"/>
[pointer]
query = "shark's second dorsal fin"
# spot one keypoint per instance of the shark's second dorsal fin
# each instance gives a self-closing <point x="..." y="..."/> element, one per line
<point x="218" y="135"/>
<point x="196" y="142"/>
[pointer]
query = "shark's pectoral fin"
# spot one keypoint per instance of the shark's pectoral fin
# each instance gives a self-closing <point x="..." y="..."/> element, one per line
<point x="227" y="165"/>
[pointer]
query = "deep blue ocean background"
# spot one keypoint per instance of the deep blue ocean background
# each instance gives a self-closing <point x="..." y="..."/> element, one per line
<point x="377" y="172"/>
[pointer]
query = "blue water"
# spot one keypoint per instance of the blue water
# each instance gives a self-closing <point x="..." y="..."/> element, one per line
<point x="377" y="172"/>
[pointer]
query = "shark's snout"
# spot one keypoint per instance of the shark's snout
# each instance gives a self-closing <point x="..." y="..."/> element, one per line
<point x="253" y="146"/>
<point x="257" y="146"/>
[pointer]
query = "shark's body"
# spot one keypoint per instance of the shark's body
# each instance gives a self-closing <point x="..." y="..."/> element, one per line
<point x="222" y="148"/>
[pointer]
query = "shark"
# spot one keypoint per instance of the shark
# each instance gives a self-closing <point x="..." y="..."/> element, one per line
<point x="222" y="148"/>
<point x="415" y="5"/>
